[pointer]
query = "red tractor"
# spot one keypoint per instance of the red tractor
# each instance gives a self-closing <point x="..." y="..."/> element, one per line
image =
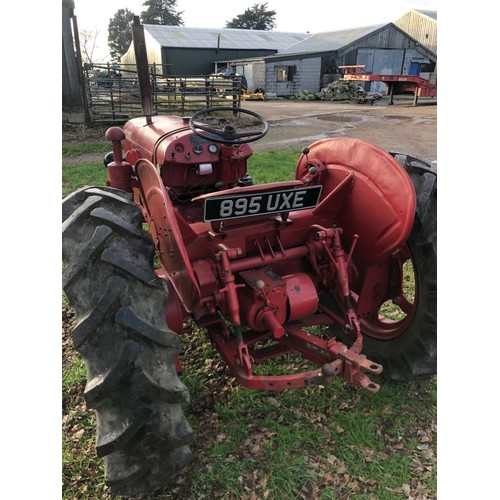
<point x="180" y="231"/>
<point x="304" y="267"/>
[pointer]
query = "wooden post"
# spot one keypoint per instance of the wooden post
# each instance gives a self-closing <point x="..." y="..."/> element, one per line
<point x="391" y="93"/>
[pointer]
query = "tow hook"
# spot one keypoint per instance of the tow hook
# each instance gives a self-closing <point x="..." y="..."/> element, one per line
<point x="351" y="366"/>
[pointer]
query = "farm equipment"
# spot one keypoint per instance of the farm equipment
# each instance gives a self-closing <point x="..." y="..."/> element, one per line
<point x="395" y="84"/>
<point x="305" y="266"/>
<point x="257" y="95"/>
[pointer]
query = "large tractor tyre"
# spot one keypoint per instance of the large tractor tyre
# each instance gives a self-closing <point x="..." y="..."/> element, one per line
<point x="410" y="350"/>
<point x="121" y="333"/>
<point x="406" y="347"/>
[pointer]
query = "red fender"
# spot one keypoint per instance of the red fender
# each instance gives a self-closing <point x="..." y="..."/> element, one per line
<point x="163" y="221"/>
<point x="381" y="205"/>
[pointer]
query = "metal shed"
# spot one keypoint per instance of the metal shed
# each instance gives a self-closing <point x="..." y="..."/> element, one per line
<point x="196" y="51"/>
<point x="420" y="25"/>
<point x="313" y="63"/>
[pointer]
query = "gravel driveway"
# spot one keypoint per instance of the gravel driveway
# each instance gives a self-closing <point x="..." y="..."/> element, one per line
<point x="401" y="127"/>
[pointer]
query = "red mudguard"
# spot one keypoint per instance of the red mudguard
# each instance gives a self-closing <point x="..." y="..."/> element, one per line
<point x="164" y="227"/>
<point x="381" y="205"/>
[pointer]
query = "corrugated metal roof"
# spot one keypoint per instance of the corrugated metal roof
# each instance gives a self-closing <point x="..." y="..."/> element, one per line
<point x="200" y="38"/>
<point x="331" y="40"/>
<point x="429" y="13"/>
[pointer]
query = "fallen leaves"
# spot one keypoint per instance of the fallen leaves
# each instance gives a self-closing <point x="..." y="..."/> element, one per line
<point x="252" y="445"/>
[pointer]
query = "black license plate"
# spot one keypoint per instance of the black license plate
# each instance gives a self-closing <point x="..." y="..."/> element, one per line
<point x="254" y="204"/>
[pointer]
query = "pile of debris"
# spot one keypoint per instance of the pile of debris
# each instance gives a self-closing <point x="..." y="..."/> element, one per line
<point x="341" y="90"/>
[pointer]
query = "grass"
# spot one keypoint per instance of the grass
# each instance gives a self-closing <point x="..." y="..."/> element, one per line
<point x="85" y="174"/>
<point x="328" y="443"/>
<point x="75" y="150"/>
<point x="273" y="166"/>
<point x="321" y="442"/>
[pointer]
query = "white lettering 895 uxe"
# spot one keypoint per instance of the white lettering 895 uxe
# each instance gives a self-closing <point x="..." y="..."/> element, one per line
<point x="221" y="208"/>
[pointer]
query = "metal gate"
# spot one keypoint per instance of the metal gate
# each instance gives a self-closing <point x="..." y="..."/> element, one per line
<point x="113" y="93"/>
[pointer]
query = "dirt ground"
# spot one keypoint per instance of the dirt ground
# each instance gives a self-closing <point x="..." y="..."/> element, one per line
<point x="401" y="127"/>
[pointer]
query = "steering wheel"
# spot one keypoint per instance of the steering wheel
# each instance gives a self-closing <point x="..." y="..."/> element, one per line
<point x="230" y="120"/>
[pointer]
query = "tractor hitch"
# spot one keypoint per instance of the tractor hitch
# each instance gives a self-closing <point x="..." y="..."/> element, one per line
<point x="352" y="366"/>
<point x="333" y="358"/>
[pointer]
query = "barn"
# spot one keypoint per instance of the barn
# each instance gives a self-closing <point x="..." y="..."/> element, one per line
<point x="199" y="51"/>
<point x="406" y="46"/>
<point x="420" y="25"/>
<point x="314" y="62"/>
<point x="285" y="63"/>
<point x="282" y="63"/>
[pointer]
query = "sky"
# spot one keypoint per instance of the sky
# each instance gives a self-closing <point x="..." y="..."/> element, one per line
<point x="318" y="16"/>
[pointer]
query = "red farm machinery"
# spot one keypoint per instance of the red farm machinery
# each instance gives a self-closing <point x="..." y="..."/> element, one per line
<point x="180" y="231"/>
<point x="395" y="84"/>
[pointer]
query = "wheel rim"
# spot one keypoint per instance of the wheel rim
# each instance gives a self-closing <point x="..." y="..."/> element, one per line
<point x="396" y="313"/>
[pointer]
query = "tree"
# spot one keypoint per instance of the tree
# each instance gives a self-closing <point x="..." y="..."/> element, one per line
<point x="88" y="44"/>
<point x="256" y="17"/>
<point x="120" y="33"/>
<point x="161" y="12"/>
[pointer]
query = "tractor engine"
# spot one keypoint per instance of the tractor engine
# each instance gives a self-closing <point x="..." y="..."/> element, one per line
<point x="190" y="165"/>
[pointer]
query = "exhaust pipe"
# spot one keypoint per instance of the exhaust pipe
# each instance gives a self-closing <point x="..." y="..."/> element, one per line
<point x="141" y="61"/>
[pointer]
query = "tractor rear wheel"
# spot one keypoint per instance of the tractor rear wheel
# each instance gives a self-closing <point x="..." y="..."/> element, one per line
<point x="406" y="345"/>
<point x="121" y="333"/>
<point x="409" y="349"/>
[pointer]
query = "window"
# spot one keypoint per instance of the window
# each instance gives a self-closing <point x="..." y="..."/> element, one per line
<point x="286" y="73"/>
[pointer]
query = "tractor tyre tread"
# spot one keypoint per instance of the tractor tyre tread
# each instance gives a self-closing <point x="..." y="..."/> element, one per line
<point x="122" y="335"/>
<point x="413" y="355"/>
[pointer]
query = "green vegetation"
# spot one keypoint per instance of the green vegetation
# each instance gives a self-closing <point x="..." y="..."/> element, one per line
<point x="265" y="167"/>
<point x="75" y="150"/>
<point x="256" y="17"/>
<point x="322" y="442"/>
<point x="273" y="166"/>
<point x="332" y="442"/>
<point x="120" y="25"/>
<point x="85" y="174"/>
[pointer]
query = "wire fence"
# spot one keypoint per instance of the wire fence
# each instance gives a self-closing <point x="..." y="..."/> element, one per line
<point x="113" y="94"/>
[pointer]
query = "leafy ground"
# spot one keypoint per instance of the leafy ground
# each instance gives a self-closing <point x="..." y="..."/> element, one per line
<point x="332" y="442"/>
<point x="317" y="443"/>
